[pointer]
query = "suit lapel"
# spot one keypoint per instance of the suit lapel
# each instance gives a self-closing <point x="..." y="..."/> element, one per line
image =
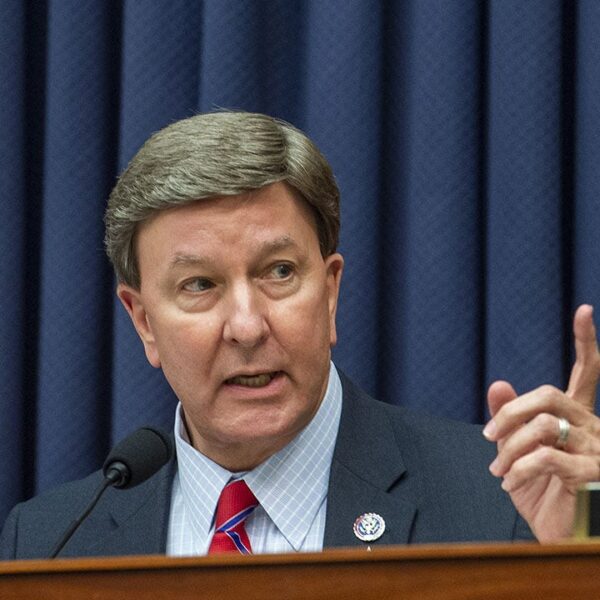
<point x="366" y="465"/>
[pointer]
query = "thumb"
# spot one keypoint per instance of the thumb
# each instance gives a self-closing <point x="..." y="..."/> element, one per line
<point x="499" y="393"/>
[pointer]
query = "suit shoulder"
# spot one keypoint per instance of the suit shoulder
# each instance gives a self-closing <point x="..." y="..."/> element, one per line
<point x="431" y="446"/>
<point x="413" y="423"/>
<point x="32" y="525"/>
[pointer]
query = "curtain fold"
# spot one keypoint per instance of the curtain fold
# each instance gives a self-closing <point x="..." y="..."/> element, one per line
<point x="431" y="281"/>
<point x="13" y="217"/>
<point x="74" y="310"/>
<point x="525" y="224"/>
<point x="465" y="140"/>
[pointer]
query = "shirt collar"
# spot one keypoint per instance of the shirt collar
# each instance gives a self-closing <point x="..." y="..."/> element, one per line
<point x="291" y="485"/>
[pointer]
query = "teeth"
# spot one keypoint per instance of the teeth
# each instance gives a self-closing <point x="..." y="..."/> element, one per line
<point x="252" y="381"/>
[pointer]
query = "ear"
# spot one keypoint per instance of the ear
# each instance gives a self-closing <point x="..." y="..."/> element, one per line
<point x="134" y="305"/>
<point x="334" y="266"/>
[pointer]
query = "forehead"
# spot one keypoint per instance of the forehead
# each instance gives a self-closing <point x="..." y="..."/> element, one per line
<point x="273" y="216"/>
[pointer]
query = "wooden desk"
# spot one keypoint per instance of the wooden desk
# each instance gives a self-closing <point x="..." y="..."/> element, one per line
<point x="502" y="571"/>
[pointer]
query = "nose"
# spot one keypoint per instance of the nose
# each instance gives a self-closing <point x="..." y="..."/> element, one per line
<point x="245" y="323"/>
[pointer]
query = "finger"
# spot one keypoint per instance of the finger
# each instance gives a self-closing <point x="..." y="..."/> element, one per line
<point x="499" y="394"/>
<point x="545" y="399"/>
<point x="542" y="430"/>
<point x="586" y="370"/>
<point x="572" y="469"/>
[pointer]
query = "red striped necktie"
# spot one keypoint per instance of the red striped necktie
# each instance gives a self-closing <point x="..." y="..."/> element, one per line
<point x="235" y="505"/>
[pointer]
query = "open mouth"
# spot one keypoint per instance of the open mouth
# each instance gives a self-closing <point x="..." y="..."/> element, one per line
<point x="254" y="381"/>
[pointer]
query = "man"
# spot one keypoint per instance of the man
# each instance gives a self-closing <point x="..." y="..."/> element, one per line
<point x="223" y="233"/>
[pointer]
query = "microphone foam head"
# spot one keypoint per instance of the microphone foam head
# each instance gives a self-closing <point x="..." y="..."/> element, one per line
<point x="143" y="453"/>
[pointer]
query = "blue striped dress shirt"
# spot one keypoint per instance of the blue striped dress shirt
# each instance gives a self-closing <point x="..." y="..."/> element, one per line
<point x="291" y="487"/>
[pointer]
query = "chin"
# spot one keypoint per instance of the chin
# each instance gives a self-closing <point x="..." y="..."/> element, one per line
<point x="260" y="432"/>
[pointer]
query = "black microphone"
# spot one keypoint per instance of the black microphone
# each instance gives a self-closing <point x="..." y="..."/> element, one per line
<point x="130" y="462"/>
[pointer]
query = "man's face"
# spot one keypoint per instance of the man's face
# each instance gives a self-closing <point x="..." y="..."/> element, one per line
<point x="237" y="306"/>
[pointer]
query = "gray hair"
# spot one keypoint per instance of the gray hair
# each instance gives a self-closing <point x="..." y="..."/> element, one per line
<point x="216" y="154"/>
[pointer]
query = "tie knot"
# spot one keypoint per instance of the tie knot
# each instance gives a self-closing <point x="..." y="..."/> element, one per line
<point x="236" y="503"/>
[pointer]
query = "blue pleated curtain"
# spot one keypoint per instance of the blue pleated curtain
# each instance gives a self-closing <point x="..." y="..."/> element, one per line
<point x="464" y="135"/>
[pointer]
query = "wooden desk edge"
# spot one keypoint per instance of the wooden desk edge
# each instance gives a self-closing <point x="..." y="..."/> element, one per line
<point x="342" y="555"/>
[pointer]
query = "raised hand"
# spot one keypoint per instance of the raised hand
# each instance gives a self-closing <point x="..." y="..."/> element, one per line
<point x="549" y="440"/>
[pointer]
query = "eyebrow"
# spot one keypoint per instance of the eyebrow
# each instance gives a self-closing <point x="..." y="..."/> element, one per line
<point x="264" y="249"/>
<point x="281" y="243"/>
<point x="183" y="260"/>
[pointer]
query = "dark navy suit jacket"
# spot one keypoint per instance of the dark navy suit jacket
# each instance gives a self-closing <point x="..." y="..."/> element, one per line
<point x="427" y="477"/>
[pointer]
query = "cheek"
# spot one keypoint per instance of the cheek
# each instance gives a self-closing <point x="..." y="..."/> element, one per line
<point x="184" y="344"/>
<point x="305" y="324"/>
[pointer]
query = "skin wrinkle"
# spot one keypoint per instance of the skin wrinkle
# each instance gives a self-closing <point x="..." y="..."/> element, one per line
<point x="193" y="260"/>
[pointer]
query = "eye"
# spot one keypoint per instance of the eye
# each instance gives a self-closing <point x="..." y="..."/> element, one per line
<point x="282" y="271"/>
<point x="200" y="284"/>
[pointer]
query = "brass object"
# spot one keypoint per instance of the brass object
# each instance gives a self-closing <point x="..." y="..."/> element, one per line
<point x="587" y="514"/>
